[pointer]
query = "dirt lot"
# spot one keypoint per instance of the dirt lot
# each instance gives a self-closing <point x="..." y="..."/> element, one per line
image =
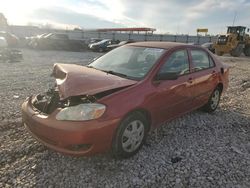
<point x="196" y="150"/>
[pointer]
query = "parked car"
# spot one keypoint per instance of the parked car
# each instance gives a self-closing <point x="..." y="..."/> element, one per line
<point x="93" y="40"/>
<point x="56" y="41"/>
<point x="209" y="46"/>
<point x="113" y="46"/>
<point x="28" y="41"/>
<point x="114" y="102"/>
<point x="8" y="54"/>
<point x="102" y="45"/>
<point x="11" y="39"/>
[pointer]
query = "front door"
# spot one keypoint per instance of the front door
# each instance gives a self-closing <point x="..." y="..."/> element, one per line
<point x="172" y="97"/>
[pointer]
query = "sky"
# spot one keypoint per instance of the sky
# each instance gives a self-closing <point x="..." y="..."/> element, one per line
<point x="166" y="16"/>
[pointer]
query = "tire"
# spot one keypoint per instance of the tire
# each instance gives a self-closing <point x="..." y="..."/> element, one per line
<point x="247" y="50"/>
<point x="219" y="53"/>
<point x="236" y="52"/>
<point x="100" y="50"/>
<point x="130" y="135"/>
<point x="213" y="101"/>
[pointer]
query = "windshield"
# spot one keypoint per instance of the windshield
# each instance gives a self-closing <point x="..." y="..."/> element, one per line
<point x="129" y="61"/>
<point x="239" y="30"/>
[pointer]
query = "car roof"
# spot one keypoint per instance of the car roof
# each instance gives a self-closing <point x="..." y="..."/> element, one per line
<point x="103" y="40"/>
<point x="163" y="45"/>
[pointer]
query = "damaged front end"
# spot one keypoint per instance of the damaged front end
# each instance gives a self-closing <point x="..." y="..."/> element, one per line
<point x="48" y="102"/>
<point x="77" y="92"/>
<point x="74" y="108"/>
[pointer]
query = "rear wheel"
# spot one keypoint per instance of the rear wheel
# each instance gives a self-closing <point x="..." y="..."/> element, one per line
<point x="213" y="101"/>
<point x="247" y="50"/>
<point x="236" y="52"/>
<point x="130" y="135"/>
<point x="219" y="53"/>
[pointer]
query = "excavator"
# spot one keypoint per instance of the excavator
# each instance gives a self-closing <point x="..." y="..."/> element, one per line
<point x="235" y="42"/>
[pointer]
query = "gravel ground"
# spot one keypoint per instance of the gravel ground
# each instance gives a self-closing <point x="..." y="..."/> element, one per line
<point x="195" y="150"/>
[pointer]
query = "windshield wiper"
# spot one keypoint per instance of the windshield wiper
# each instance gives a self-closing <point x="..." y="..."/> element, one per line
<point x="115" y="73"/>
<point x="109" y="71"/>
<point x="90" y="66"/>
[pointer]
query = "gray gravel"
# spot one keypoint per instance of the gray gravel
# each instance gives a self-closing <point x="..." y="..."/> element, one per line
<point x="195" y="150"/>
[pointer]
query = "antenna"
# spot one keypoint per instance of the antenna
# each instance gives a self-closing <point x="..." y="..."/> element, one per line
<point x="235" y="14"/>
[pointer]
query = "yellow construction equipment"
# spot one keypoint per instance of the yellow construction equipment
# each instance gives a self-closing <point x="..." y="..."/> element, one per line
<point x="234" y="42"/>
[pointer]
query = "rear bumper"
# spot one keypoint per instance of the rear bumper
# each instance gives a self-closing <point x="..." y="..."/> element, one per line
<point x="69" y="137"/>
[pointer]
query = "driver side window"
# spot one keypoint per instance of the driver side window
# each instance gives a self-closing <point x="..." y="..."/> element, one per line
<point x="176" y="63"/>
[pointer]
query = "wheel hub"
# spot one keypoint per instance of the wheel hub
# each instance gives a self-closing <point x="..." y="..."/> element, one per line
<point x="132" y="136"/>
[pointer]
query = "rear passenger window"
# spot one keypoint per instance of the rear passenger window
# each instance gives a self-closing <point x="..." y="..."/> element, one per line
<point x="201" y="60"/>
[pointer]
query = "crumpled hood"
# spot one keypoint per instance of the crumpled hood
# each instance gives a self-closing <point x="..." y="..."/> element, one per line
<point x="73" y="80"/>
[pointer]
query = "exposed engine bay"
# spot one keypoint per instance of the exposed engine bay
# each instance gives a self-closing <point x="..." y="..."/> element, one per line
<point x="49" y="101"/>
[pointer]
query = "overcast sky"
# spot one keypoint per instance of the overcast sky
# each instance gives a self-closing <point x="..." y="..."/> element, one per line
<point x="167" y="16"/>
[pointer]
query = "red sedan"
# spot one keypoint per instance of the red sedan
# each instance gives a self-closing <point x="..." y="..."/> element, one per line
<point x="114" y="102"/>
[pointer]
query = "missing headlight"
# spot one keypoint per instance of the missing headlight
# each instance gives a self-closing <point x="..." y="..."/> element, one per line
<point x="46" y="102"/>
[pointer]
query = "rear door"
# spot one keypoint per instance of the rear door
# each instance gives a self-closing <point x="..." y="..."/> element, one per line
<point x="204" y="75"/>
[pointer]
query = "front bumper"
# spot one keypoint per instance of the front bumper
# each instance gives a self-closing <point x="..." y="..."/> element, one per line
<point x="69" y="137"/>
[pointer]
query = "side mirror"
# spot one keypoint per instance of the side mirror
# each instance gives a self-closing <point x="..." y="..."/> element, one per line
<point x="248" y="30"/>
<point x="167" y="76"/>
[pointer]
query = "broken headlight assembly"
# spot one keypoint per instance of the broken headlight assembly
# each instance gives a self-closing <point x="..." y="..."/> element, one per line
<point x="81" y="112"/>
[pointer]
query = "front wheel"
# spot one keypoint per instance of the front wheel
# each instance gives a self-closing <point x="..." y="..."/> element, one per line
<point x="236" y="52"/>
<point x="213" y="101"/>
<point x="130" y="135"/>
